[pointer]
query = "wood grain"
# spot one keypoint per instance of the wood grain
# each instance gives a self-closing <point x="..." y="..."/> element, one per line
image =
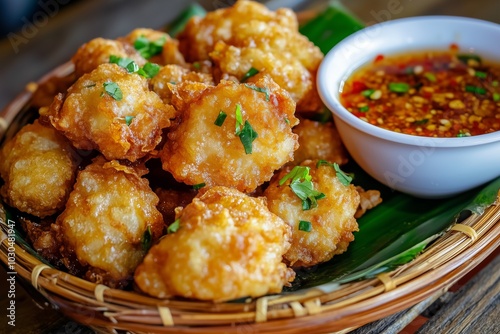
<point x="473" y="308"/>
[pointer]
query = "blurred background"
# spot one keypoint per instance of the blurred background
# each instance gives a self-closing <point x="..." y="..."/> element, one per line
<point x="38" y="35"/>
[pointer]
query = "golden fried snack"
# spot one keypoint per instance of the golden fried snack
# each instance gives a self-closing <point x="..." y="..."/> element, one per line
<point x="319" y="141"/>
<point x="97" y="51"/>
<point x="249" y="35"/>
<point x="38" y="166"/>
<point x="175" y="74"/>
<point x="199" y="36"/>
<point x="228" y="246"/>
<point x="331" y="223"/>
<point x="242" y="155"/>
<point x="109" y="221"/>
<point x="112" y="111"/>
<point x="286" y="71"/>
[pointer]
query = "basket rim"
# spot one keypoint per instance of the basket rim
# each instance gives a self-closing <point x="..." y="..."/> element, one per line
<point x="93" y="305"/>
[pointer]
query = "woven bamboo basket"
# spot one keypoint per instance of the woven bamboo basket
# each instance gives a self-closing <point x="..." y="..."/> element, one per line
<point x="324" y="308"/>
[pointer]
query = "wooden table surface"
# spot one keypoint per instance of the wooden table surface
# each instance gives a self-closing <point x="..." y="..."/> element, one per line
<point x="470" y="306"/>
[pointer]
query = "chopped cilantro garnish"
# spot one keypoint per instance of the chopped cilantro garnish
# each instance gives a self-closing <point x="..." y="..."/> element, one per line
<point x="481" y="75"/>
<point x="421" y="121"/>
<point x="251" y="72"/>
<point x="247" y="136"/>
<point x="149" y="70"/>
<point x="399" y="87"/>
<point x="344" y="178"/>
<point x="113" y="90"/>
<point x="287" y="121"/>
<point x="128" y="120"/>
<point x="196" y="65"/>
<point x="147" y="239"/>
<point x="305" y="226"/>
<point x="364" y="108"/>
<point x="220" y="118"/>
<point x="367" y="92"/>
<point x="239" y="119"/>
<point x="303" y="187"/>
<point x="296" y="174"/>
<point x="174" y="227"/>
<point x="199" y="186"/>
<point x="259" y="89"/>
<point x="496" y="97"/>
<point x="430" y="76"/>
<point x="475" y="89"/>
<point x="126" y="63"/>
<point x="147" y="48"/>
<point x="462" y="133"/>
<point x="246" y="133"/>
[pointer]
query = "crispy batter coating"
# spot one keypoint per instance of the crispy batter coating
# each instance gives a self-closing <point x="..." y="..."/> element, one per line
<point x="120" y="128"/>
<point x="106" y="220"/>
<point x="97" y="51"/>
<point x="175" y="74"/>
<point x="287" y="71"/>
<point x="332" y="220"/>
<point x="228" y="246"/>
<point x="198" y="151"/>
<point x="319" y="141"/>
<point x="368" y="200"/>
<point x="42" y="238"/>
<point x="38" y="166"/>
<point x="249" y="35"/>
<point x="228" y="24"/>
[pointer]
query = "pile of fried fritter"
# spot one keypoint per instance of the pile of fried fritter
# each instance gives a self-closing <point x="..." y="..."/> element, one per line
<point x="189" y="167"/>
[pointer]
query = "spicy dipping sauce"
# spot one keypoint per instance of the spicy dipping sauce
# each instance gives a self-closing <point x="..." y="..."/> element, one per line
<point x="432" y="93"/>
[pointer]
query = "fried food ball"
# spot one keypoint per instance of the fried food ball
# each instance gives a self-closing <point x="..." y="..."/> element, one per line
<point x="112" y="111"/>
<point x="199" y="151"/>
<point x="109" y="220"/>
<point x="201" y="33"/>
<point x="228" y="246"/>
<point x="331" y="222"/>
<point x="319" y="141"/>
<point x="97" y="51"/>
<point x="286" y="71"/>
<point x="175" y="74"/>
<point x="249" y="35"/>
<point x="38" y="166"/>
<point x="168" y="48"/>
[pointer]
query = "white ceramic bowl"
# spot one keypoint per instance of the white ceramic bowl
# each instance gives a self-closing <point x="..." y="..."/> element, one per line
<point x="420" y="166"/>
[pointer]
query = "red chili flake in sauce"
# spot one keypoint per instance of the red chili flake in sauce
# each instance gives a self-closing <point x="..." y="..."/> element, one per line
<point x="433" y="93"/>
